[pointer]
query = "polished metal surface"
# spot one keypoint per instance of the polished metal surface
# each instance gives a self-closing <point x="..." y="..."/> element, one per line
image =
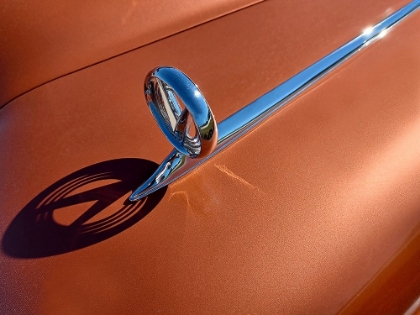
<point x="193" y="130"/>
<point x="178" y="163"/>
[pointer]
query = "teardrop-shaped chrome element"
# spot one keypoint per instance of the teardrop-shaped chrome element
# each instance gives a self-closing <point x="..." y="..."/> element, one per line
<point x="179" y="161"/>
<point x="193" y="130"/>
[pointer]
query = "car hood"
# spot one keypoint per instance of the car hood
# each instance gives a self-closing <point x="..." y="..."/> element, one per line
<point x="302" y="215"/>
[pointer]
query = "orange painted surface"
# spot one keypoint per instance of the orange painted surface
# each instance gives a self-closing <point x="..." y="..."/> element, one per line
<point x="299" y="216"/>
<point x="43" y="40"/>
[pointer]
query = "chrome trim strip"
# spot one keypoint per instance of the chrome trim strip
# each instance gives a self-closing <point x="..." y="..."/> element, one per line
<point x="177" y="164"/>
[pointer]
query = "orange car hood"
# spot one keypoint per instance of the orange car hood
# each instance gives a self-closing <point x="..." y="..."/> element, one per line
<point x="315" y="211"/>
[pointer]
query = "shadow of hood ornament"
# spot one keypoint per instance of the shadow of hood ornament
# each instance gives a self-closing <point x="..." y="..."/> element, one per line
<point x="193" y="130"/>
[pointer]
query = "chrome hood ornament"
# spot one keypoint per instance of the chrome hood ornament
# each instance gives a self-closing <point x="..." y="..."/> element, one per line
<point x="193" y="131"/>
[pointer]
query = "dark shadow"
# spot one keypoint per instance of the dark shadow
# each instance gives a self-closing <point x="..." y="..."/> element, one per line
<point x="102" y="187"/>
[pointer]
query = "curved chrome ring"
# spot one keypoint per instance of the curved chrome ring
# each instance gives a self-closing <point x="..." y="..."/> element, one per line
<point x="193" y="130"/>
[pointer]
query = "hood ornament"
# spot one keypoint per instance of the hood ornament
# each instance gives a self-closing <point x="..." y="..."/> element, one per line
<point x="193" y="130"/>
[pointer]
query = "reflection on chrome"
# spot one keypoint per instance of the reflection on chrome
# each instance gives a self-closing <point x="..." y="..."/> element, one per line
<point x="382" y="34"/>
<point x="368" y="30"/>
<point x="193" y="130"/>
<point x="414" y="308"/>
<point x="163" y="85"/>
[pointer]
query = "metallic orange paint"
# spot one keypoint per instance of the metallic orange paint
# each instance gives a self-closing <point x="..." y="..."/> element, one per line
<point x="42" y="40"/>
<point x="300" y="216"/>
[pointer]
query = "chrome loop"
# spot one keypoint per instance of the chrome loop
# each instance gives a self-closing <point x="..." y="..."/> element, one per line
<point x="193" y="130"/>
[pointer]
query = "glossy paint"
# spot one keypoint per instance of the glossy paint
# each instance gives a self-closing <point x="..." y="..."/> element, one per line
<point x="42" y="40"/>
<point x="306" y="232"/>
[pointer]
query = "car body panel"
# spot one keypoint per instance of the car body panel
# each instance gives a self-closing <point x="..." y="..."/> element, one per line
<point x="299" y="216"/>
<point x="42" y="40"/>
